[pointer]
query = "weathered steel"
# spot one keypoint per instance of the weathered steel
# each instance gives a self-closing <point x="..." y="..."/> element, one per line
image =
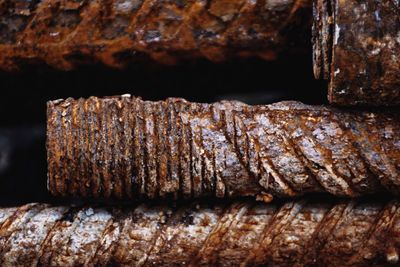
<point x="303" y="233"/>
<point x="357" y="48"/>
<point x="66" y="33"/>
<point x="127" y="148"/>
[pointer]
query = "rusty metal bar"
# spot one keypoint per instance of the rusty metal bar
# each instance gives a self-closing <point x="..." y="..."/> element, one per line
<point x="302" y="233"/>
<point x="357" y="48"/>
<point x="127" y="148"/>
<point x="65" y="33"/>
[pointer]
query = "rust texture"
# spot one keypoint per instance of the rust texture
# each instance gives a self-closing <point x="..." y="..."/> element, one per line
<point x="127" y="148"/>
<point x="357" y="48"/>
<point x="66" y="33"/>
<point x="303" y="233"/>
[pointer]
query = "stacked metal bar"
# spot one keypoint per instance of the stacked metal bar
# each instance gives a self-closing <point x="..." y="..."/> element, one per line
<point x="356" y="43"/>
<point x="127" y="148"/>
<point x="357" y="48"/>
<point x="64" y="33"/>
<point x="301" y="233"/>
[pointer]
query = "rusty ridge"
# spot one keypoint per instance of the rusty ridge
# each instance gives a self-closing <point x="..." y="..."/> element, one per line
<point x="357" y="47"/>
<point x="127" y="148"/>
<point x="302" y="233"/>
<point x="66" y="33"/>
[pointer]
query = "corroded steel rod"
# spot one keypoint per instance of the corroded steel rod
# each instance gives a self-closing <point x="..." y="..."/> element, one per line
<point x="357" y="48"/>
<point x="64" y="33"/>
<point x="303" y="233"/>
<point x="127" y="148"/>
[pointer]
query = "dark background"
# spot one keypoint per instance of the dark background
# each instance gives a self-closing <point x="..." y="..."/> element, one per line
<point x="24" y="95"/>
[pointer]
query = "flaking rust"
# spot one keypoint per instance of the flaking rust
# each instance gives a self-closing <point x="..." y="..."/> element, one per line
<point x="127" y="148"/>
<point x="66" y="33"/>
<point x="357" y="48"/>
<point x="302" y="233"/>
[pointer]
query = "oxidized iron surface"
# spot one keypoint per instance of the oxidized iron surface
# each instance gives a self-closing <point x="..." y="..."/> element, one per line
<point x="357" y="48"/>
<point x="303" y="233"/>
<point x="64" y="33"/>
<point x="127" y="148"/>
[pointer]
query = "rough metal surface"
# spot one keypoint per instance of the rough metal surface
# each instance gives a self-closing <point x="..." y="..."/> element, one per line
<point x="66" y="33"/>
<point x="357" y="48"/>
<point x="127" y="148"/>
<point x="303" y="233"/>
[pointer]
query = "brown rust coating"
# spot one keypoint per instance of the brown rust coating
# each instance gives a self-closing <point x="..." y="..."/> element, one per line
<point x="357" y="48"/>
<point x="303" y="233"/>
<point x="127" y="148"/>
<point x="66" y="33"/>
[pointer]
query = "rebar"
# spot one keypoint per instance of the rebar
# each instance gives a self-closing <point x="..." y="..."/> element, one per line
<point x="127" y="148"/>
<point x="66" y="33"/>
<point x="357" y="48"/>
<point x="301" y="233"/>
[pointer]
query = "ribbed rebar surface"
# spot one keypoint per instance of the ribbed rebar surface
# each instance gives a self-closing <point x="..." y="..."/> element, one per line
<point x="127" y="148"/>
<point x="66" y="33"/>
<point x="357" y="48"/>
<point x="303" y="233"/>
